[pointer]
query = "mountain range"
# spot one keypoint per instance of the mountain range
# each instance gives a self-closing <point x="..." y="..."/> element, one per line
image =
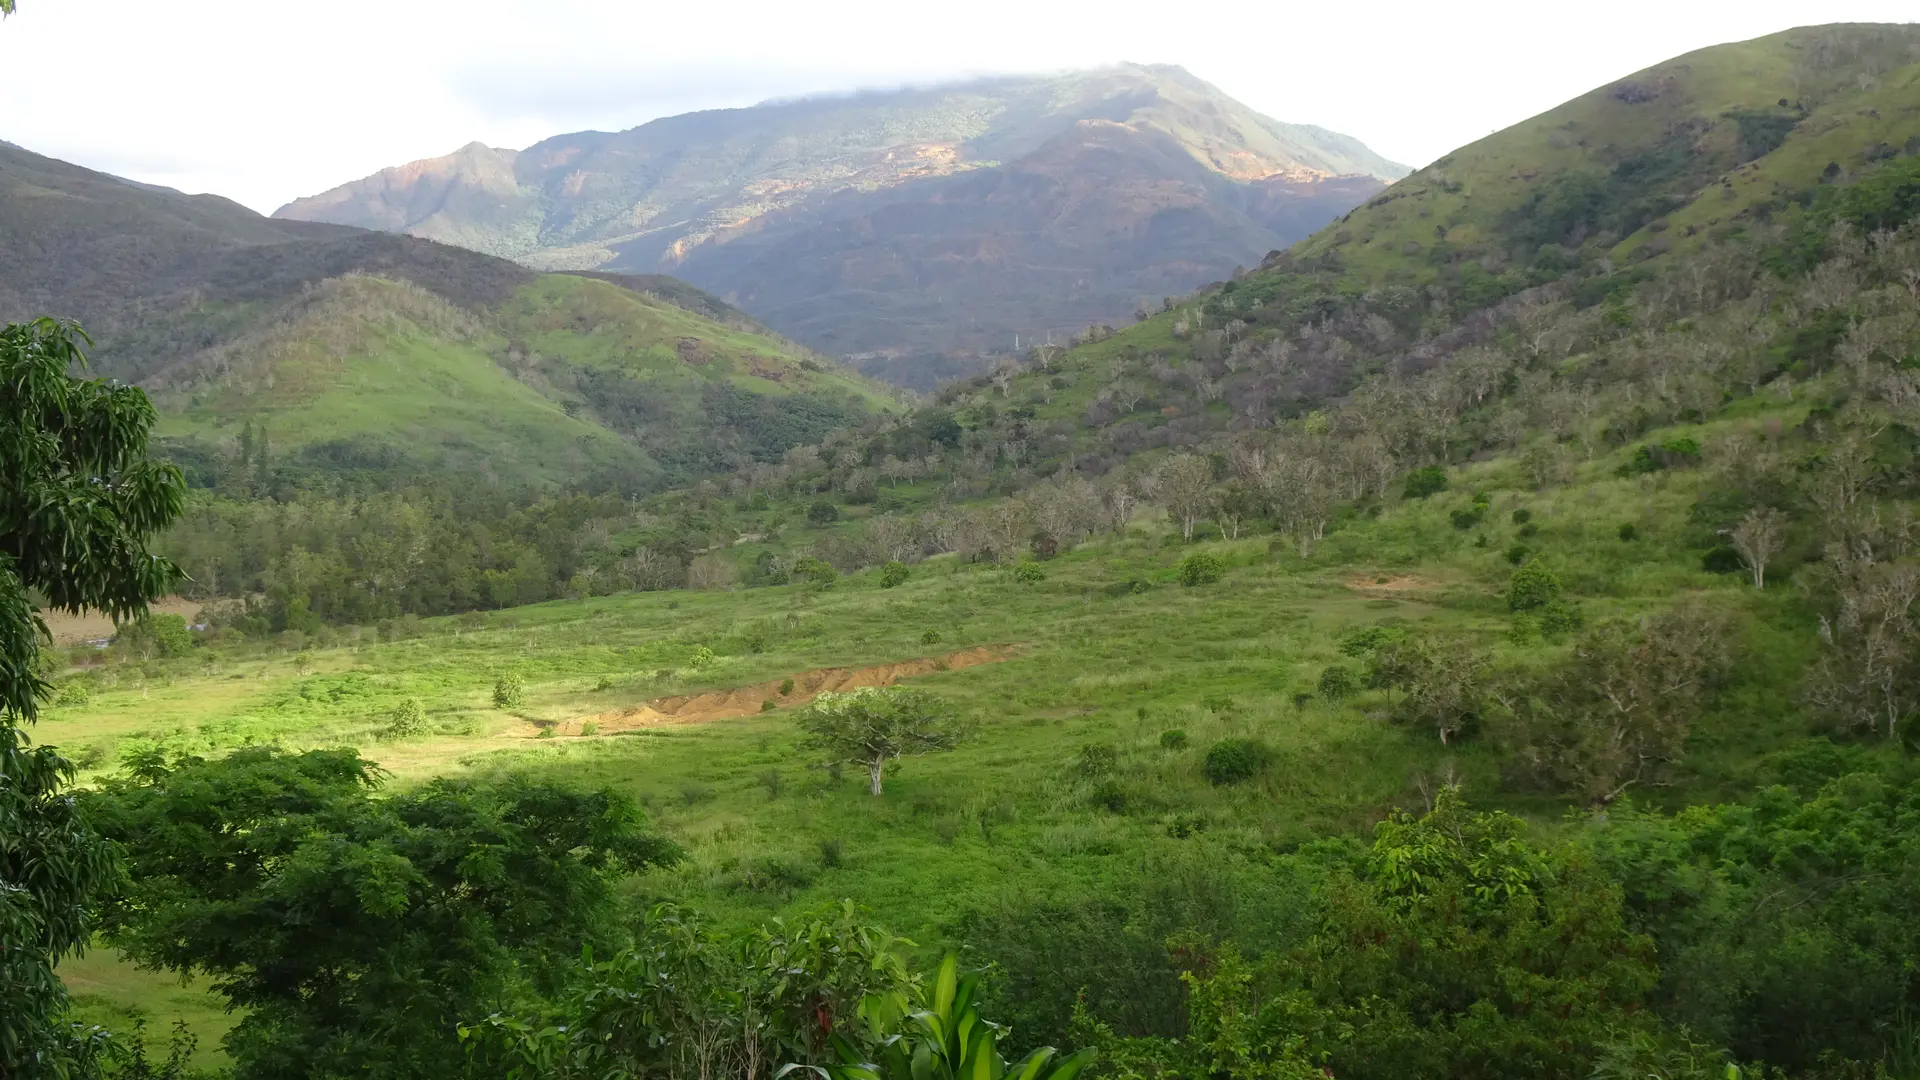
<point x="915" y="230"/>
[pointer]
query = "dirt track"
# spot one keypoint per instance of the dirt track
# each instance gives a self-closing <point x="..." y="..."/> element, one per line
<point x="745" y="700"/>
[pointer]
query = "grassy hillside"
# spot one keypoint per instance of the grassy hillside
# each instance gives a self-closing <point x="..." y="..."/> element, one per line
<point x="1700" y="140"/>
<point x="388" y="359"/>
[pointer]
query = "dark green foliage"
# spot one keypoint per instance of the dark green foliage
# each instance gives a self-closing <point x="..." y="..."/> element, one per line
<point x="1886" y="198"/>
<point x="1527" y="531"/>
<point x="1521" y="516"/>
<point x="1722" y="559"/>
<point x="1531" y="586"/>
<point x="1788" y="926"/>
<point x="1231" y="761"/>
<point x="1454" y="948"/>
<point x="1202" y="568"/>
<point x="821" y="513"/>
<point x="1337" y="682"/>
<point x="893" y="573"/>
<point x="1559" y="617"/>
<point x="1028" y="573"/>
<point x="1467" y="517"/>
<point x="930" y="637"/>
<point x="1420" y="483"/>
<point x="1519" y="553"/>
<point x="1629" y="532"/>
<point x="79" y="502"/>
<point x="1674" y="454"/>
<point x="1173" y="739"/>
<point x="1096" y="759"/>
<point x="353" y="932"/>
<point x="1763" y="130"/>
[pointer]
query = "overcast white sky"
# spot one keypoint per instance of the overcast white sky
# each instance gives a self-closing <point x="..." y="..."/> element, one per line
<point x="265" y="100"/>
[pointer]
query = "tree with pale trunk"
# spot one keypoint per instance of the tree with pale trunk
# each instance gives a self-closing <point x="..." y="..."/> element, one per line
<point x="875" y="724"/>
<point x="1758" y="538"/>
<point x="1186" y="489"/>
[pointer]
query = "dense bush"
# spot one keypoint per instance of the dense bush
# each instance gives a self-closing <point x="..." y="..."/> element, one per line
<point x="1202" y="568"/>
<point x="1231" y="761"/>
<point x="1173" y="739"/>
<point x="509" y="690"/>
<point x="893" y="573"/>
<point x="1420" y="483"/>
<point x="1028" y="573"/>
<point x="1531" y="586"/>
<point x="821" y="513"/>
<point x="1337" y="682"/>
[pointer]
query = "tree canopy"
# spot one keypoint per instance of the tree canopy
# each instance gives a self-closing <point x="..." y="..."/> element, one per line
<point x="79" y="502"/>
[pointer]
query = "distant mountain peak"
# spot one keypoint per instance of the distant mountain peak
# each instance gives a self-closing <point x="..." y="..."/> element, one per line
<point x="901" y="191"/>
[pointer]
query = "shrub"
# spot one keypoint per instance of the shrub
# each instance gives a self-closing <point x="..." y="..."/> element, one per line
<point x="589" y="728"/>
<point x="1527" y="531"/>
<point x="1097" y="759"/>
<point x="893" y="573"/>
<point x="1231" y="761"/>
<point x="772" y="780"/>
<point x="1722" y="560"/>
<point x="1531" y="586"/>
<point x="769" y="705"/>
<point x="509" y="691"/>
<point x="1464" y="519"/>
<point x="833" y="852"/>
<point x="786" y="687"/>
<point x="1368" y="638"/>
<point x="1629" y="532"/>
<point x="1029" y="573"/>
<point x="1673" y="454"/>
<point x="1421" y="483"/>
<point x="1045" y="546"/>
<point x="931" y="637"/>
<point x="1337" y="682"/>
<point x="1522" y="516"/>
<point x="604" y="682"/>
<point x="818" y="571"/>
<point x="1518" y="554"/>
<point x="702" y="657"/>
<point x="1560" y="617"/>
<point x="822" y="513"/>
<point x="1110" y="796"/>
<point x="409" y="718"/>
<point x="1174" y="739"/>
<point x="1219" y="704"/>
<point x="1202" y="568"/>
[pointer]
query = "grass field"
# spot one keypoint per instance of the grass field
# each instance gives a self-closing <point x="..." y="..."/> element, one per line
<point x="1109" y="649"/>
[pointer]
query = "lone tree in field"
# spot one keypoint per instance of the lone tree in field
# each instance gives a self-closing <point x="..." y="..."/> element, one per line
<point x="79" y="500"/>
<point x="872" y="724"/>
<point x="1758" y="538"/>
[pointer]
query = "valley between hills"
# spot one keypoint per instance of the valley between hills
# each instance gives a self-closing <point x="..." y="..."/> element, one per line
<point x="1474" y="636"/>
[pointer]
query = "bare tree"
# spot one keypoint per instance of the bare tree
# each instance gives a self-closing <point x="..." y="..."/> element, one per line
<point x="1618" y="710"/>
<point x="1758" y="538"/>
<point x="1186" y="482"/>
<point x="1869" y="674"/>
<point x="1120" y="498"/>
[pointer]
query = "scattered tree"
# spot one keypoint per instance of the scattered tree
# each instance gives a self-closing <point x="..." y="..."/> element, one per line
<point x="873" y="725"/>
<point x="1760" y="536"/>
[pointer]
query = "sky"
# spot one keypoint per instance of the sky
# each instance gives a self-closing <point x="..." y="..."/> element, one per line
<point x="266" y="100"/>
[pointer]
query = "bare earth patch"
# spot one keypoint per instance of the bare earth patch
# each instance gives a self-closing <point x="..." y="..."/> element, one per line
<point x="746" y="700"/>
<point x="1392" y="584"/>
<point x="93" y="625"/>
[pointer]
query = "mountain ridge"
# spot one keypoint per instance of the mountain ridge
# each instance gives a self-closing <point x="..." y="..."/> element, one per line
<point x="701" y="195"/>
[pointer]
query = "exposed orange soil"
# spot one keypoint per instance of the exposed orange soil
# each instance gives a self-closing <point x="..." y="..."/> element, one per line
<point x="745" y="700"/>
